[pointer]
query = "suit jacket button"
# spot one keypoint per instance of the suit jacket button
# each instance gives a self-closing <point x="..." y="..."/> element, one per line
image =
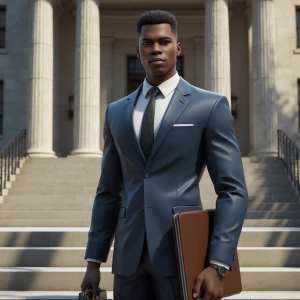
<point x="147" y="175"/>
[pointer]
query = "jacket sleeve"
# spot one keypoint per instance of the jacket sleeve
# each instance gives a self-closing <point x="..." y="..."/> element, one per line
<point x="107" y="201"/>
<point x="224" y="164"/>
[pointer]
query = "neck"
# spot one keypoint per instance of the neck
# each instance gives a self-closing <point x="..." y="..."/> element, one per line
<point x="156" y="80"/>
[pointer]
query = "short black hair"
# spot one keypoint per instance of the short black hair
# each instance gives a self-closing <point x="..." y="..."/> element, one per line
<point x="157" y="16"/>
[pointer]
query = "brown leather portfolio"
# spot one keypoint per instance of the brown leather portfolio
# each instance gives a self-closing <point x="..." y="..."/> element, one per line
<point x="192" y="231"/>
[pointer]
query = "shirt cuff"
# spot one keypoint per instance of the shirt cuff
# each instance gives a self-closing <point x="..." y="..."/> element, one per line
<point x="215" y="262"/>
<point x="94" y="260"/>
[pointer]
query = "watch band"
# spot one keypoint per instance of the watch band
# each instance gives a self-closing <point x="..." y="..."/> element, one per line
<point x="222" y="271"/>
<point x="214" y="267"/>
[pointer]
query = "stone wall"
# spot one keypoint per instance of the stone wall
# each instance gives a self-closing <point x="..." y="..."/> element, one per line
<point x="14" y="69"/>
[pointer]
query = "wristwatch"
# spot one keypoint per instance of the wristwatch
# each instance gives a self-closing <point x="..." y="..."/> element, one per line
<point x="222" y="271"/>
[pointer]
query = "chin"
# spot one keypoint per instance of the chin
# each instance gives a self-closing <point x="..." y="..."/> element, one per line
<point x="159" y="72"/>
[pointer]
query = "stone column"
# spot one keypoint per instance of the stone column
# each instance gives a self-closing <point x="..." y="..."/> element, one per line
<point x="248" y="13"/>
<point x="106" y="79"/>
<point x="199" y="55"/>
<point x="263" y="78"/>
<point x="87" y="80"/>
<point x="57" y="12"/>
<point x="40" y="102"/>
<point x="217" y="47"/>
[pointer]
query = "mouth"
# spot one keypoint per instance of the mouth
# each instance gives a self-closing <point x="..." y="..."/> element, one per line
<point x="156" y="60"/>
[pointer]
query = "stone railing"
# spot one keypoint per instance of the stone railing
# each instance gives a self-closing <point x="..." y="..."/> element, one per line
<point x="10" y="159"/>
<point x="288" y="154"/>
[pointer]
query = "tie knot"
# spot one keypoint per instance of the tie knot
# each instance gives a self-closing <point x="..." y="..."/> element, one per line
<point x="154" y="91"/>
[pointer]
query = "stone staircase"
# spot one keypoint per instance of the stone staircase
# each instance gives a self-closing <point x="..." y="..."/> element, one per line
<point x="46" y="216"/>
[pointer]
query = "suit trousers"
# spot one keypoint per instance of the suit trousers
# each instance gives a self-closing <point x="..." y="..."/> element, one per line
<point x="145" y="283"/>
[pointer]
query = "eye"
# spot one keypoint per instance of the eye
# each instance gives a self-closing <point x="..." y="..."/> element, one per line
<point x="146" y="43"/>
<point x="166" y="42"/>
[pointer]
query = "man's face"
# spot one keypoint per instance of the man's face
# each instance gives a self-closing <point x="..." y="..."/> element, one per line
<point x="158" y="50"/>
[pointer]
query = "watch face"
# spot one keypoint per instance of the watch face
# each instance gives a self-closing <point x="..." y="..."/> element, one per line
<point x="223" y="271"/>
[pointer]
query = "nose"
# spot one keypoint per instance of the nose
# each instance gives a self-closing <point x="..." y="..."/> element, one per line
<point x="156" y="49"/>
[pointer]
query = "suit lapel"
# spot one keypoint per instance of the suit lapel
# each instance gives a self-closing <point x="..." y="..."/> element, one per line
<point x="128" y="122"/>
<point x="175" y="108"/>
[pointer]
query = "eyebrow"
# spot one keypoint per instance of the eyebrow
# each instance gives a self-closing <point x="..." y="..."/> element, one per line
<point x="162" y="38"/>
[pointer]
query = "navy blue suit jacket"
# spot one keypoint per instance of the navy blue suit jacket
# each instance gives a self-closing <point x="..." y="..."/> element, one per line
<point x="137" y="197"/>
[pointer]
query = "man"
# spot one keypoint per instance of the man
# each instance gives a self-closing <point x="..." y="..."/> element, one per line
<point x="157" y="143"/>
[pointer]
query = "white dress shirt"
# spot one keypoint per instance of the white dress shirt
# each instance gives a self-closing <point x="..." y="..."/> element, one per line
<point x="162" y="101"/>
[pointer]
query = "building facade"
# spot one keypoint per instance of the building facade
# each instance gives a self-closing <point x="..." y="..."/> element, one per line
<point x="63" y="61"/>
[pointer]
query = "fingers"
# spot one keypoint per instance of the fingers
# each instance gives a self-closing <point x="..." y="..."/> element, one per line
<point x="96" y="290"/>
<point x="197" y="287"/>
<point x="96" y="293"/>
<point x="209" y="281"/>
<point x="207" y="295"/>
<point x="211" y="295"/>
<point x="85" y="285"/>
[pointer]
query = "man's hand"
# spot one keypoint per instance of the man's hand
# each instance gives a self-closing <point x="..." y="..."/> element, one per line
<point x="211" y="282"/>
<point x="91" y="279"/>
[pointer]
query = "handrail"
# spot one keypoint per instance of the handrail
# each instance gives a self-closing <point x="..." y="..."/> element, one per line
<point x="10" y="158"/>
<point x="288" y="154"/>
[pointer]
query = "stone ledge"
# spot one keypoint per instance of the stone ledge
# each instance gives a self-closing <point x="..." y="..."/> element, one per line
<point x="297" y="51"/>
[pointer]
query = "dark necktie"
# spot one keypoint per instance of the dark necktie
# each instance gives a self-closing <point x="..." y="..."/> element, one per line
<point x="147" y="127"/>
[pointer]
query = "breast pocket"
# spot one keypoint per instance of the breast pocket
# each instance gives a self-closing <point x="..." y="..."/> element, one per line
<point x="186" y="129"/>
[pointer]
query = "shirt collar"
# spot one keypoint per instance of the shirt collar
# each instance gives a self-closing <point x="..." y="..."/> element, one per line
<point x="166" y="87"/>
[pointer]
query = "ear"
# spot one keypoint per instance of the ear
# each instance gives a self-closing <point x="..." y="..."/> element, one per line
<point x="138" y="52"/>
<point x="178" y="49"/>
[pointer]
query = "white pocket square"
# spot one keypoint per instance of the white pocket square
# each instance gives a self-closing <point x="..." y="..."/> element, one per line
<point x="183" y="125"/>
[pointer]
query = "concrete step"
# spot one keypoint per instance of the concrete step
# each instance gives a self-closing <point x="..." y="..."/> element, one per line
<point x="58" y="190"/>
<point x="93" y="171"/>
<point x="270" y="215"/>
<point x="74" y="256"/>
<point x="269" y="237"/>
<point x="6" y="215"/>
<point x="270" y="223"/>
<point x="69" y="190"/>
<point x="61" y="173"/>
<point x="63" y="160"/>
<point x="81" y="206"/>
<point x="26" y="182"/>
<point x="265" y="295"/>
<point x="255" y="183"/>
<point x="96" y="169"/>
<point x="34" y="162"/>
<point x="270" y="279"/>
<point x="45" y="257"/>
<point x="254" y="191"/>
<point x="45" y="215"/>
<point x="88" y="175"/>
<point x="273" y="198"/>
<point x="46" y="295"/>
<point x="45" y="222"/>
<point x="269" y="257"/>
<point x="256" y="159"/>
<point x="73" y="295"/>
<point x="274" y="206"/>
<point x="49" y="279"/>
<point x="52" y="199"/>
<point x="77" y="237"/>
<point x="92" y="165"/>
<point x="79" y="199"/>
<point x="91" y="160"/>
<point x="86" y="222"/>
<point x="69" y="279"/>
<point x="87" y="206"/>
